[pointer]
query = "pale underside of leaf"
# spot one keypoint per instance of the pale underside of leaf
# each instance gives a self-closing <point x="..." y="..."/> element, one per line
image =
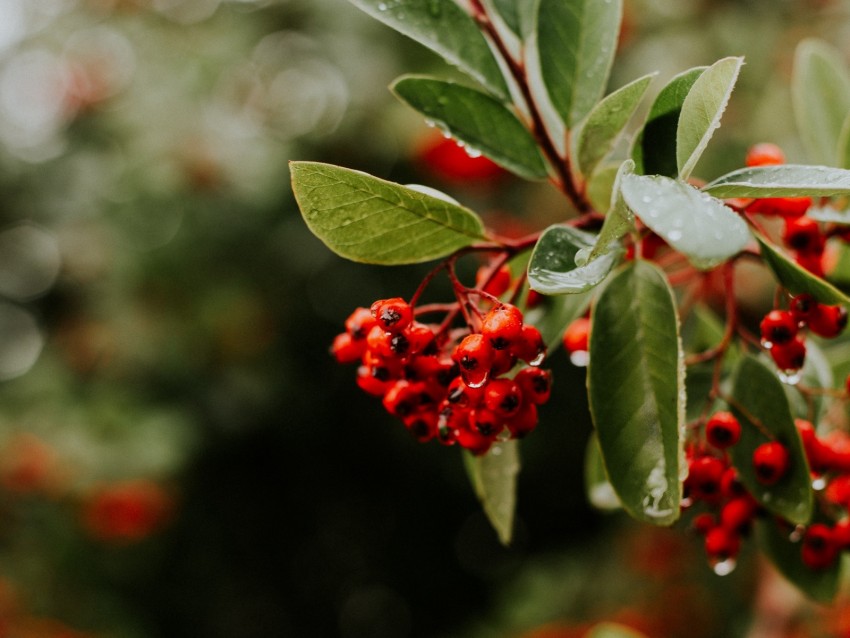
<point x="784" y="180"/>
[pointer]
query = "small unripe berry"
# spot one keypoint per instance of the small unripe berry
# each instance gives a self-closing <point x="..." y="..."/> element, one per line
<point x="771" y="462"/>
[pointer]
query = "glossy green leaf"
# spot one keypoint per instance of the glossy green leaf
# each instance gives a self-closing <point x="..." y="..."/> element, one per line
<point x="693" y="222"/>
<point x="576" y="42"/>
<point x="796" y="279"/>
<point x="619" y="220"/>
<point x="476" y="119"/>
<point x="702" y="110"/>
<point x="600" y="492"/>
<point x="613" y="630"/>
<point x="445" y="28"/>
<point x="493" y="476"/>
<point x="600" y="185"/>
<point x="654" y="150"/>
<point x="762" y="408"/>
<point x="367" y="219"/>
<point x="636" y="390"/>
<point x="820" y="94"/>
<point x="596" y="135"/>
<point x="785" y="180"/>
<point x="818" y="584"/>
<point x="560" y="264"/>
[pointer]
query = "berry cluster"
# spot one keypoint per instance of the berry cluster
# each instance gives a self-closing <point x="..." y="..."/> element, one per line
<point x="780" y="329"/>
<point x="731" y="509"/>
<point x="449" y="385"/>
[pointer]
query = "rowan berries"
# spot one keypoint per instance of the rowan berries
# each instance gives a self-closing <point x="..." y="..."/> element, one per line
<point x="771" y="462"/>
<point x="722" y="430"/>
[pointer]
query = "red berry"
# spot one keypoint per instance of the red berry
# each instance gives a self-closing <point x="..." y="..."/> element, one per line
<point x="530" y="346"/>
<point x="403" y="398"/>
<point x="803" y="307"/>
<point x="703" y="523"/>
<point x="722" y="430"/>
<point x="474" y="355"/>
<point x="422" y="425"/>
<point x="819" y="550"/>
<point x="788" y="207"/>
<point x="838" y="491"/>
<point x="737" y="515"/>
<point x="449" y="161"/>
<point x="815" y="450"/>
<point x="722" y="543"/>
<point x="771" y="462"/>
<point x="730" y="484"/>
<point x="346" y="349"/>
<point x="502" y="326"/>
<point x="372" y="381"/>
<point x="764" y="154"/>
<point x="462" y="395"/>
<point x="393" y="314"/>
<point x="828" y="321"/>
<point x="778" y="327"/>
<point x="474" y="441"/>
<point x="704" y="476"/>
<point x="503" y="362"/>
<point x="789" y="356"/>
<point x="524" y="421"/>
<point x="535" y="383"/>
<point x="841" y="534"/>
<point x="359" y="323"/>
<point x="503" y="397"/>
<point x="803" y="234"/>
<point x="485" y="421"/>
<point x="576" y="336"/>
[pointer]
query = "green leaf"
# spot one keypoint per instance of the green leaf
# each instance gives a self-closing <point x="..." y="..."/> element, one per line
<point x="820" y="94"/>
<point x="785" y="180"/>
<point x="613" y="630"/>
<point x="476" y="119"/>
<point x="600" y="185"/>
<point x="554" y="268"/>
<point x="654" y="150"/>
<point x="619" y="219"/>
<point x="636" y="380"/>
<point x="367" y="219"/>
<point x="818" y="584"/>
<point x="576" y="41"/>
<point x="509" y="12"/>
<point x="693" y="222"/>
<point x="600" y="492"/>
<point x="445" y="28"/>
<point x="493" y="476"/>
<point x="598" y="133"/>
<point x="796" y="279"/>
<point x="762" y="408"/>
<point x="702" y="110"/>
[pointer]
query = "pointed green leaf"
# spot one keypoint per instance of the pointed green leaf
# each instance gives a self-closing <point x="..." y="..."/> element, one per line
<point x="820" y="94"/>
<point x="654" y="150"/>
<point x="636" y="391"/>
<point x="560" y="265"/>
<point x="510" y="14"/>
<point x="702" y="110"/>
<point x="367" y="219"/>
<point x="599" y="491"/>
<point x="445" y="28"/>
<point x="576" y="41"/>
<point x="476" y="119"/>
<point x="762" y="408"/>
<point x="619" y="219"/>
<point x="694" y="223"/>
<point x="493" y="476"/>
<point x="785" y="180"/>
<point x="843" y="146"/>
<point x="598" y="133"/>
<point x="796" y="279"/>
<point x="818" y="584"/>
<point x="600" y="185"/>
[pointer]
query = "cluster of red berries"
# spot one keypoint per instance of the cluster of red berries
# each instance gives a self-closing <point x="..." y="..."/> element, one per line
<point x="780" y="329"/>
<point x="731" y="509"/>
<point x="449" y="385"/>
<point x="801" y="234"/>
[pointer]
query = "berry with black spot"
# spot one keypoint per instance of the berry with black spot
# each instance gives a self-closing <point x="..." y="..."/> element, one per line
<point x="778" y="327"/>
<point x="722" y="430"/>
<point x="771" y="462"/>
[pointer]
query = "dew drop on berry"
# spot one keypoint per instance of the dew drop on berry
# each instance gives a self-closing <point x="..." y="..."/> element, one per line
<point x="767" y="345"/>
<point x="723" y="567"/>
<point x="818" y="483"/>
<point x="538" y="360"/>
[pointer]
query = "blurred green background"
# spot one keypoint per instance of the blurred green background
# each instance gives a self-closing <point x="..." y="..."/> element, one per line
<point x="179" y="455"/>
